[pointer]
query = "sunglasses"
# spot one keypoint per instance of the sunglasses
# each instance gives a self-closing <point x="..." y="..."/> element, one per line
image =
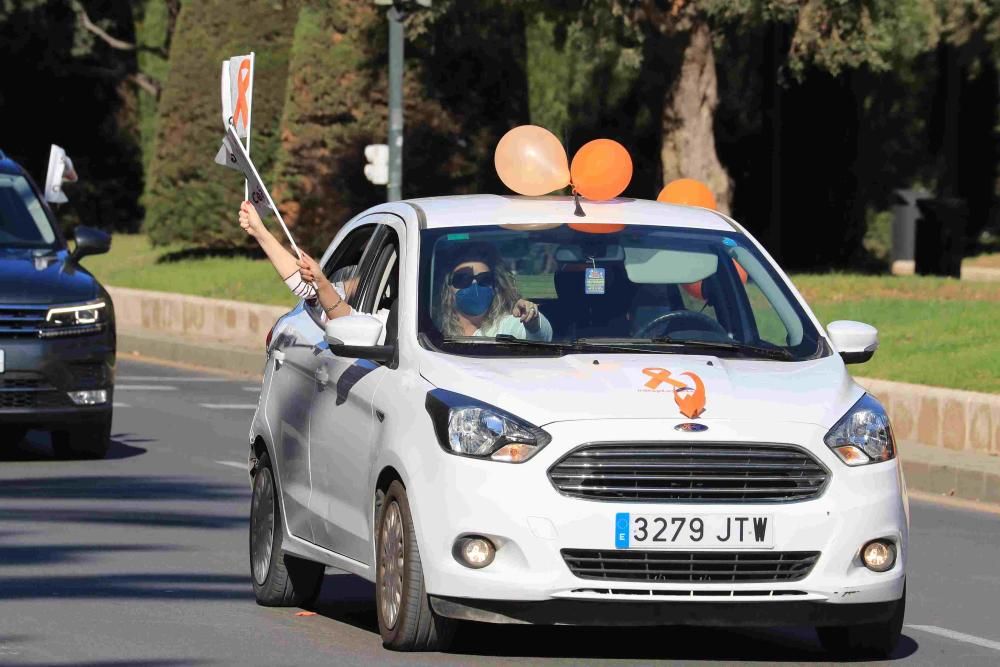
<point x="464" y="277"/>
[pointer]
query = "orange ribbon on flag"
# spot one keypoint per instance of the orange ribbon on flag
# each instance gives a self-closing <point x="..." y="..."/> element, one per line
<point x="243" y="85"/>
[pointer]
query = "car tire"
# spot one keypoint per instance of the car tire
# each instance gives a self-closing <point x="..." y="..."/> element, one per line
<point x="279" y="579"/>
<point x="405" y="618"/>
<point x="86" y="441"/>
<point x="871" y="640"/>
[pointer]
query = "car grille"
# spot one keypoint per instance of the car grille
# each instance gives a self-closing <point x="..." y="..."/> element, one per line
<point x="34" y="399"/>
<point x="689" y="472"/>
<point x="21" y="321"/>
<point x="690" y="566"/>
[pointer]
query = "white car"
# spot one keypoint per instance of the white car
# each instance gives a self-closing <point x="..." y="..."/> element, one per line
<point x="629" y="417"/>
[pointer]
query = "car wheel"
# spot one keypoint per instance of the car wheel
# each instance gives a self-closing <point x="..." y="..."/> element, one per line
<point x="871" y="640"/>
<point x="86" y="441"/>
<point x="279" y="580"/>
<point x="405" y="618"/>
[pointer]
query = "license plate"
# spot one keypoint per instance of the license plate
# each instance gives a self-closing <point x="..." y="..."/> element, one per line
<point x="700" y="531"/>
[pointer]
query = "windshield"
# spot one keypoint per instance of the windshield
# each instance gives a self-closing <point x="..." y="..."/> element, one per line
<point x="512" y="290"/>
<point x="23" y="223"/>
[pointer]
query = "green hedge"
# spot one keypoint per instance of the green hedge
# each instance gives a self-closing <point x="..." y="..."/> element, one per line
<point x="189" y="199"/>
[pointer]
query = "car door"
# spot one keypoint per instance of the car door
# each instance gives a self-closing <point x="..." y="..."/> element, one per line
<point x="293" y="384"/>
<point x="343" y="417"/>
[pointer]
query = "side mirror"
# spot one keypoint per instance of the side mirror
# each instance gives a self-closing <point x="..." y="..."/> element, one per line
<point x="90" y="241"/>
<point x="356" y="336"/>
<point x="856" y="341"/>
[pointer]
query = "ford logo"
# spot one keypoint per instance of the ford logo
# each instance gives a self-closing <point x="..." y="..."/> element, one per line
<point x="690" y="427"/>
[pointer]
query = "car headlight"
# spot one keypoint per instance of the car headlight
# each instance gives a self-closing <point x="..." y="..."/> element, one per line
<point x="469" y="427"/>
<point x="863" y="435"/>
<point x="71" y="320"/>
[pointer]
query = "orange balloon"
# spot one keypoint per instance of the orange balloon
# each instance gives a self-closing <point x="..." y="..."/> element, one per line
<point x="688" y="192"/>
<point x="530" y="160"/>
<point x="694" y="289"/>
<point x="601" y="169"/>
<point x="596" y="227"/>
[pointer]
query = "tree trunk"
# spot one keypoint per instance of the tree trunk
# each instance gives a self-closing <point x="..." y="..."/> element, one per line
<point x="688" y="148"/>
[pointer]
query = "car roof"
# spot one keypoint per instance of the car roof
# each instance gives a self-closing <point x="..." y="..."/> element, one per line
<point x="474" y="210"/>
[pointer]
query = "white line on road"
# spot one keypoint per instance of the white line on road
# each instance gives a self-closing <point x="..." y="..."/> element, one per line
<point x="251" y="389"/>
<point x="233" y="464"/>
<point x="229" y="406"/>
<point x="957" y="636"/>
<point x="116" y="404"/>
<point x="144" y="387"/>
<point x="170" y="378"/>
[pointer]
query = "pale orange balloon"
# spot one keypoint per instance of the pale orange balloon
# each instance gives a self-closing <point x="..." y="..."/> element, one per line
<point x="530" y="160"/>
<point x="601" y="169"/>
<point x="597" y="227"/>
<point x="694" y="289"/>
<point x="689" y="192"/>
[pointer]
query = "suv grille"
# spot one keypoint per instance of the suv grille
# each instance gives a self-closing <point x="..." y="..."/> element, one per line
<point x="690" y="566"/>
<point x="689" y="472"/>
<point x="17" y="321"/>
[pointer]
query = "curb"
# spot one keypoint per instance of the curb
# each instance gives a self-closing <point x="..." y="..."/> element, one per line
<point x="208" y="355"/>
<point x="952" y="482"/>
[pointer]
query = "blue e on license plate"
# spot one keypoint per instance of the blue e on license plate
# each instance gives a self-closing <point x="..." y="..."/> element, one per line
<point x="704" y="531"/>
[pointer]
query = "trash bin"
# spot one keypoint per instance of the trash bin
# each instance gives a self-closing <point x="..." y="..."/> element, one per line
<point x="940" y="239"/>
<point x="904" y="229"/>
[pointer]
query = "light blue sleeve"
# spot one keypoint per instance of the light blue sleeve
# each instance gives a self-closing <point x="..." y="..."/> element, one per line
<point x="514" y="327"/>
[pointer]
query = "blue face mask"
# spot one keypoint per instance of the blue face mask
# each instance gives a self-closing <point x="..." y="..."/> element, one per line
<point x="474" y="300"/>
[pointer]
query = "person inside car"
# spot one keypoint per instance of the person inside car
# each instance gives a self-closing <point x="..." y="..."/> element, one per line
<point x="304" y="277"/>
<point x="479" y="297"/>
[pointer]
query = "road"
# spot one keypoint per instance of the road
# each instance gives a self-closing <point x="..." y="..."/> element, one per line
<point x="141" y="560"/>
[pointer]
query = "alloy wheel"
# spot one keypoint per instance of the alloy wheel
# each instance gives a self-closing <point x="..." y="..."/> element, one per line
<point x="262" y="526"/>
<point x="391" y="565"/>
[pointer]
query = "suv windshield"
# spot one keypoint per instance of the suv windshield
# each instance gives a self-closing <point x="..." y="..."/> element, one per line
<point x="23" y="223"/>
<point x="513" y="290"/>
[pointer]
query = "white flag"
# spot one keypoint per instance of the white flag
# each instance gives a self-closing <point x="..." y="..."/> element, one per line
<point x="232" y="154"/>
<point x="237" y="93"/>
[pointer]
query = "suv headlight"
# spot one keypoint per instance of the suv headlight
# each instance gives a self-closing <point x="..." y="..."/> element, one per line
<point x="468" y="427"/>
<point x="863" y="435"/>
<point x="73" y="320"/>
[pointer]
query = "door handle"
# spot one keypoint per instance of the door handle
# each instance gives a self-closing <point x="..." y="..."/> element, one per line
<point x="279" y="358"/>
<point x="322" y="376"/>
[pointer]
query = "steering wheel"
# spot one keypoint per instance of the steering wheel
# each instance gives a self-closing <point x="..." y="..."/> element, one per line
<point x="698" y="321"/>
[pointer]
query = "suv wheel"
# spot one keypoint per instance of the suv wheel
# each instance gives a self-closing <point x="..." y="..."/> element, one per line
<point x="405" y="618"/>
<point x="86" y="441"/>
<point x="872" y="640"/>
<point x="279" y="580"/>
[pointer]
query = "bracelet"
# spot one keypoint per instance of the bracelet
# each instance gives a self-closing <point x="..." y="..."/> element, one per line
<point x="327" y="310"/>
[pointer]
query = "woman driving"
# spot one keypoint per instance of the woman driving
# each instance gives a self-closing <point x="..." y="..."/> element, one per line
<point x="479" y="297"/>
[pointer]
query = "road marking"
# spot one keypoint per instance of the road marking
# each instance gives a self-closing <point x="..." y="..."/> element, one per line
<point x="233" y="464"/>
<point x="229" y="406"/>
<point x="957" y="636"/>
<point x="116" y="404"/>
<point x="144" y="387"/>
<point x="257" y="389"/>
<point x="171" y="378"/>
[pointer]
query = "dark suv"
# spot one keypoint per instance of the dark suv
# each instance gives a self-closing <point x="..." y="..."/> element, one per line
<point x="57" y="326"/>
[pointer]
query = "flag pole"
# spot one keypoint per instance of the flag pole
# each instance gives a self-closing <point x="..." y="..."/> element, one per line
<point x="236" y="137"/>
<point x="246" y="184"/>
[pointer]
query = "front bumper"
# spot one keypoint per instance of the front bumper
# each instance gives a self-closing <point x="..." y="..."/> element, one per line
<point x="39" y="373"/>
<point x="530" y="522"/>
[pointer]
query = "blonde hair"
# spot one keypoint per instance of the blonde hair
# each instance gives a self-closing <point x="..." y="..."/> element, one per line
<point x="504" y="286"/>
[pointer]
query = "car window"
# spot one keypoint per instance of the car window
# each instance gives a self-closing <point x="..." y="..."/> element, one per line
<point x="630" y="285"/>
<point x="381" y="286"/>
<point x="343" y="267"/>
<point x="23" y="223"/>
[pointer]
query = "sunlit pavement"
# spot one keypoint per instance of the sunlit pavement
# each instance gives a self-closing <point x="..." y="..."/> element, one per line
<point x="140" y="559"/>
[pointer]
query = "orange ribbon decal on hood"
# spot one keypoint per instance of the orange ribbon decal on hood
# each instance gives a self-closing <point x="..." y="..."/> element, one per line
<point x="690" y="401"/>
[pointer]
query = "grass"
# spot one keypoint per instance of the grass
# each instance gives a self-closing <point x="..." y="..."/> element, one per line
<point x="935" y="331"/>
<point x="133" y="262"/>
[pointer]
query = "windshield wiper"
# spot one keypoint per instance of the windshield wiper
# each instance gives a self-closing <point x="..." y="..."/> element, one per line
<point x="743" y="348"/>
<point x="507" y="339"/>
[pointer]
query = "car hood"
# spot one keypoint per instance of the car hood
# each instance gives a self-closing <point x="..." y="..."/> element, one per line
<point x="543" y="390"/>
<point x="31" y="277"/>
